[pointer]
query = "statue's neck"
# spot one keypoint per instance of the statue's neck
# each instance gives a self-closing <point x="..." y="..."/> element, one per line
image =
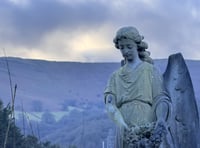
<point x="133" y="63"/>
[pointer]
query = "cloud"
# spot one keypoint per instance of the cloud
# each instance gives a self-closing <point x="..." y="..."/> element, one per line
<point x="168" y="26"/>
<point x="39" y="17"/>
<point x="83" y="30"/>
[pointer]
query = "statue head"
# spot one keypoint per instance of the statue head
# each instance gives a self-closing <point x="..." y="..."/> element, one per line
<point x="130" y="33"/>
<point x="133" y="34"/>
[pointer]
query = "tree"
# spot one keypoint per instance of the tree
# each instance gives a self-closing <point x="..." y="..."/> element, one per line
<point x="15" y="138"/>
<point x="68" y="102"/>
<point x="48" y="118"/>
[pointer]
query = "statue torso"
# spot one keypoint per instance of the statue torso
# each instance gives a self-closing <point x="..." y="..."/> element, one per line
<point x="133" y="89"/>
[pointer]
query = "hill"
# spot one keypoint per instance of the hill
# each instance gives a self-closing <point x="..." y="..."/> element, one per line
<point x="50" y="85"/>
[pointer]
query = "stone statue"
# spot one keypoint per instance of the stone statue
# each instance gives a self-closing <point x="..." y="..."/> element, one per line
<point x="184" y="123"/>
<point x="138" y="100"/>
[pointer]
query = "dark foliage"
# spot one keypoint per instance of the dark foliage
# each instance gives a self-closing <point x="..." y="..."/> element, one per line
<point x="15" y="138"/>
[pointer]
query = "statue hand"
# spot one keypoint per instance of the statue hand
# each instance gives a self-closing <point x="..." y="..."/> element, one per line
<point x="160" y="122"/>
<point x="158" y="133"/>
<point x="126" y="126"/>
<point x="160" y="128"/>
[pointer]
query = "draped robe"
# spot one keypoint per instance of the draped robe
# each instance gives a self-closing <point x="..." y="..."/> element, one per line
<point x="137" y="93"/>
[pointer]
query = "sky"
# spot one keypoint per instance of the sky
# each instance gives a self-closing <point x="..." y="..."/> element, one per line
<point x="83" y="30"/>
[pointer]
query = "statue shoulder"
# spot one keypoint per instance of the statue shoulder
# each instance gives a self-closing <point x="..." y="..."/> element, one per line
<point x="149" y="66"/>
<point x="114" y="74"/>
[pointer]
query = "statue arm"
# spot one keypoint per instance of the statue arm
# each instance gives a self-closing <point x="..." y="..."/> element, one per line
<point x="162" y="110"/>
<point x="113" y="112"/>
<point x="110" y="102"/>
<point x="161" y="99"/>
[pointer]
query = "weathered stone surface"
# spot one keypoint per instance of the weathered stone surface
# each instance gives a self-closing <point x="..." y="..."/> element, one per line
<point x="184" y="123"/>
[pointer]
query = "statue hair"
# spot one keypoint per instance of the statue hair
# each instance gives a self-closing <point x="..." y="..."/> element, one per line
<point x="133" y="34"/>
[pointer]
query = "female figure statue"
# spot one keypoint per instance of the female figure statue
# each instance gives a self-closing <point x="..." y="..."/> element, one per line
<point x="134" y="96"/>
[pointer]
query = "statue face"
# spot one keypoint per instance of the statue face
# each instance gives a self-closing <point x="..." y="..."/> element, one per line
<point x="128" y="49"/>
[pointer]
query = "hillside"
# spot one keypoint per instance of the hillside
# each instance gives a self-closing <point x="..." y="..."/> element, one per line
<point x="53" y="82"/>
<point x="47" y="85"/>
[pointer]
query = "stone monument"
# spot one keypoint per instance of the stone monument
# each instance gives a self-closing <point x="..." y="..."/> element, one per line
<point x="150" y="109"/>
